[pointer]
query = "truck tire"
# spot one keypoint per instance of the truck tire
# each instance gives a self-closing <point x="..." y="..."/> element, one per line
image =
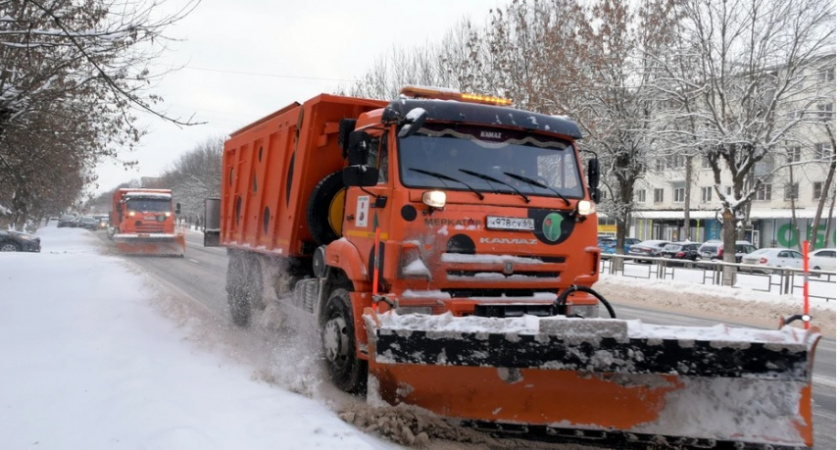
<point x="338" y="338"/>
<point x="325" y="209"/>
<point x="238" y="292"/>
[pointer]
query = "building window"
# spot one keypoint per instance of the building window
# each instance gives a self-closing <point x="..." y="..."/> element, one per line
<point x="640" y="195"/>
<point x="728" y="190"/>
<point x="826" y="75"/>
<point x="817" y="190"/>
<point x="825" y="151"/>
<point x="658" y="195"/>
<point x="794" y="154"/>
<point x="679" y="194"/>
<point x="762" y="191"/>
<point x="660" y="165"/>
<point x="707" y="194"/>
<point x="792" y="191"/>
<point x="825" y="111"/>
<point x="675" y="161"/>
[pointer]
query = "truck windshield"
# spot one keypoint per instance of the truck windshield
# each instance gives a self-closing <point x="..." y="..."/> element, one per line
<point x="148" y="204"/>
<point x="447" y="149"/>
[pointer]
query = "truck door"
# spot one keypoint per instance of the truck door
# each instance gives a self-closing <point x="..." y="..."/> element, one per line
<point x="366" y="208"/>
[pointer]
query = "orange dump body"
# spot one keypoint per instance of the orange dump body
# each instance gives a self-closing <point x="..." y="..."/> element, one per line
<point x="143" y="223"/>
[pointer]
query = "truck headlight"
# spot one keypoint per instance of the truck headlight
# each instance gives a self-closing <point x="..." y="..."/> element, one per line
<point x="434" y="199"/>
<point x="131" y="214"/>
<point x="585" y="208"/>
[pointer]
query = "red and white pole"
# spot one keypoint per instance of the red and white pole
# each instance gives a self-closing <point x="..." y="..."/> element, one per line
<point x="807" y="312"/>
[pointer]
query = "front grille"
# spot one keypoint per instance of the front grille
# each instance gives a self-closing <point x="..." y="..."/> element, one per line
<point x="498" y="275"/>
<point x="149" y="227"/>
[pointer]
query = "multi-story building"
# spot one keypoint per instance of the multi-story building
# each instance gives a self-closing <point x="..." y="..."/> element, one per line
<point x="789" y="184"/>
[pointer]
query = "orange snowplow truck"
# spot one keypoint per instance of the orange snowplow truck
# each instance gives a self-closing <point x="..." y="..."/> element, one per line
<point x="143" y="222"/>
<point x="442" y="248"/>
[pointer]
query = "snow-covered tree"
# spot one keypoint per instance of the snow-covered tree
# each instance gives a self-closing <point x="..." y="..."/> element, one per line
<point x="81" y="66"/>
<point x="735" y="81"/>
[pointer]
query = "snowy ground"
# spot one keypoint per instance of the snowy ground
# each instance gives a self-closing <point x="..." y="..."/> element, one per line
<point x="96" y="356"/>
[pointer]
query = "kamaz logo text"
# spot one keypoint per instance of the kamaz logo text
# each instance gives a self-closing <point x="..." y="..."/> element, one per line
<point x="491" y="134"/>
<point x="508" y="241"/>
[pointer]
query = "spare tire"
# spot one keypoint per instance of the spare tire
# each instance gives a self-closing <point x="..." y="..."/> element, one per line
<point x="325" y="211"/>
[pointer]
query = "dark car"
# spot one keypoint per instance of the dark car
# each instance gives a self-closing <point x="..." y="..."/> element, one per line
<point x="16" y="241"/>
<point x="89" y="223"/>
<point x="686" y="251"/>
<point x="652" y="247"/>
<point x="608" y="245"/>
<point x="68" y="220"/>
<point x="711" y="250"/>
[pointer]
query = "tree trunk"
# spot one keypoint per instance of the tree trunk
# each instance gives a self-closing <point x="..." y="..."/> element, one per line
<point x="729" y="272"/>
<point x="795" y="230"/>
<point x="687" y="203"/>
<point x="829" y="180"/>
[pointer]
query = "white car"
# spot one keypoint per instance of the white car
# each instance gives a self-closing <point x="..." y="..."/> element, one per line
<point x="774" y="257"/>
<point x="823" y="259"/>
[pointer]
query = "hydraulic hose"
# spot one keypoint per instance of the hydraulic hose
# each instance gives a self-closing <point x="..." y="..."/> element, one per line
<point x="560" y="303"/>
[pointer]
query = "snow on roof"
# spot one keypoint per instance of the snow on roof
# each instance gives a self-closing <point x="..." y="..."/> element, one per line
<point x="133" y="195"/>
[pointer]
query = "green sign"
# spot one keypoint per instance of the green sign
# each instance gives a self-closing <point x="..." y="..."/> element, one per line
<point x="788" y="236"/>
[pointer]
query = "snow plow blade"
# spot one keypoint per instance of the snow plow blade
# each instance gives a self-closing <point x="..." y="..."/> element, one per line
<point x="156" y="244"/>
<point x="600" y="382"/>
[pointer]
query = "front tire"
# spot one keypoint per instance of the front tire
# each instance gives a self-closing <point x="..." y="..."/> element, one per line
<point x="338" y="337"/>
<point x="9" y="247"/>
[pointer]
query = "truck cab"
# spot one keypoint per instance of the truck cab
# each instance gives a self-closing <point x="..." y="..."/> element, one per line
<point x="480" y="209"/>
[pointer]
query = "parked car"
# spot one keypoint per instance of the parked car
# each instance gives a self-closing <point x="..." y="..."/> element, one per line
<point x="652" y="247"/>
<point x="89" y="223"/>
<point x="774" y="258"/>
<point x="16" y="241"/>
<point x="608" y="245"/>
<point x="823" y="259"/>
<point x="686" y="251"/>
<point x="67" y="220"/>
<point x="711" y="250"/>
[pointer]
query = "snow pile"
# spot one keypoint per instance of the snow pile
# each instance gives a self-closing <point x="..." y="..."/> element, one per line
<point x="88" y="362"/>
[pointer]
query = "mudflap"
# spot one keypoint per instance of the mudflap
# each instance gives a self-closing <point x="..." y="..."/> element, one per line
<point x="152" y="245"/>
<point x="601" y="382"/>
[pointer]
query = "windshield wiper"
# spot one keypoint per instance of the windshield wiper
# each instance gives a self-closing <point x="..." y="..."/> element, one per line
<point x="445" y="177"/>
<point x="536" y="183"/>
<point x="489" y="178"/>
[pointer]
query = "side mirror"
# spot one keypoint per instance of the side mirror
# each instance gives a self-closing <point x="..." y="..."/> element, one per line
<point x="360" y="175"/>
<point x="414" y="120"/>
<point x="358" y="148"/>
<point x="593" y="174"/>
<point x="345" y="127"/>
<point x="177" y="208"/>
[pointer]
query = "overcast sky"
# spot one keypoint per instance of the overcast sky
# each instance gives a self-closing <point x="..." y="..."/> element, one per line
<point x="245" y="59"/>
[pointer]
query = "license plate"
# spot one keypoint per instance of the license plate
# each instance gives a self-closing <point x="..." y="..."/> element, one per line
<point x="510" y="223"/>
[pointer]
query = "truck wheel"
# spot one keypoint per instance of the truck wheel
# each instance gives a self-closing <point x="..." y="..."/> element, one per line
<point x="238" y="292"/>
<point x="325" y="211"/>
<point x="338" y="336"/>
